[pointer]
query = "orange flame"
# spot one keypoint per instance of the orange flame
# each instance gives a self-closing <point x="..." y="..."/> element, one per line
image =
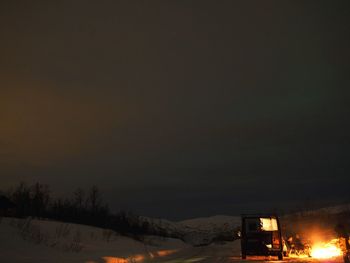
<point x="115" y="260"/>
<point x="326" y="250"/>
<point x="163" y="253"/>
<point x="138" y="257"/>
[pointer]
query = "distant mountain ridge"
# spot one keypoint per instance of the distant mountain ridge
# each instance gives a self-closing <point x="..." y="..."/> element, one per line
<point x="205" y="230"/>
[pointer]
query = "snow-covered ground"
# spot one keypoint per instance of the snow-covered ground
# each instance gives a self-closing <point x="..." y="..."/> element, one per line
<point x="213" y="222"/>
<point x="27" y="241"/>
<point x="205" y="230"/>
<point x="199" y="231"/>
<point x="34" y="241"/>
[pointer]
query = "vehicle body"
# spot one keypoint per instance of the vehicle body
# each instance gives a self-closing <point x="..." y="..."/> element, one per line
<point x="261" y="236"/>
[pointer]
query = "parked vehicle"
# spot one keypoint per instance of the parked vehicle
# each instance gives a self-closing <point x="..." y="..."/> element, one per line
<point x="261" y="236"/>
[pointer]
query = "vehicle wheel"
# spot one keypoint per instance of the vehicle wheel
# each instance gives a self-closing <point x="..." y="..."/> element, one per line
<point x="280" y="256"/>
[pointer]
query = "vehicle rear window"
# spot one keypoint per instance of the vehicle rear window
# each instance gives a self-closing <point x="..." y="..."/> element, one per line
<point x="261" y="224"/>
<point x="269" y="224"/>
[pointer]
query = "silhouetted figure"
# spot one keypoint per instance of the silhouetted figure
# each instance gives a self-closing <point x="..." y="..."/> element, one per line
<point x="343" y="236"/>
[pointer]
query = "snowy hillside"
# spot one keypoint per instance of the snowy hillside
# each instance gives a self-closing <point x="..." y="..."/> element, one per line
<point x="28" y="241"/>
<point x="205" y="230"/>
<point x="198" y="231"/>
<point x="213" y="222"/>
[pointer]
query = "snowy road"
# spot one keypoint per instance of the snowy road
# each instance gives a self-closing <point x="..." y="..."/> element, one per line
<point x="227" y="253"/>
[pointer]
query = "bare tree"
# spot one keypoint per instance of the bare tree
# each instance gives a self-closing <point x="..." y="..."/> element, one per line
<point x="79" y="198"/>
<point x="94" y="199"/>
<point x="40" y="199"/>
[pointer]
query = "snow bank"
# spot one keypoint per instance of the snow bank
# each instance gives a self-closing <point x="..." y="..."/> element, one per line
<point x="198" y="231"/>
<point x="213" y="223"/>
<point x="28" y="241"/>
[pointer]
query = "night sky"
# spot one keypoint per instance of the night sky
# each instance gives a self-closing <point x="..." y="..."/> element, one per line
<point x="178" y="109"/>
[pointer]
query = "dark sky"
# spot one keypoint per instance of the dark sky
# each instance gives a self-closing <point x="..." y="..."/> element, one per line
<point x="179" y="108"/>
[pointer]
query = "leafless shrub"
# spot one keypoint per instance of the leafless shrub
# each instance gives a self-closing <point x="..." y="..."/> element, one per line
<point x="30" y="231"/>
<point x="63" y="230"/>
<point x="24" y="227"/>
<point x="75" y="245"/>
<point x="107" y="234"/>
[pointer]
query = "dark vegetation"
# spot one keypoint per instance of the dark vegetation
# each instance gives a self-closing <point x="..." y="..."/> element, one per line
<point x="82" y="207"/>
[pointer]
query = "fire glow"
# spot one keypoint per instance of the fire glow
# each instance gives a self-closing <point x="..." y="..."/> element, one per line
<point x="326" y="250"/>
<point x="138" y="258"/>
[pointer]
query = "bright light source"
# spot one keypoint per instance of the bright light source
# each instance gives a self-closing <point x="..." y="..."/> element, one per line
<point x="326" y="250"/>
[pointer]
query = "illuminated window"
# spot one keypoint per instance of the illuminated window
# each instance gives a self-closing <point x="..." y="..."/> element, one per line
<point x="268" y="224"/>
